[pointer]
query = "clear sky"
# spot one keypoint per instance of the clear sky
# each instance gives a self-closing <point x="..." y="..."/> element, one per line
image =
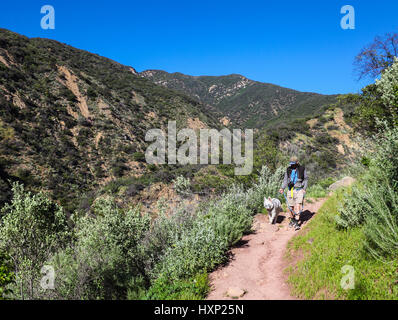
<point x="295" y="44"/>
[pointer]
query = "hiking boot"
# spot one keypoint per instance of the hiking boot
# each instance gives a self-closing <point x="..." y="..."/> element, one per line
<point x="293" y="222"/>
<point x="296" y="226"/>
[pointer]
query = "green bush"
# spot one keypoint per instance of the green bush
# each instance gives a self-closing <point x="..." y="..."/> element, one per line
<point x="118" y="169"/>
<point x="373" y="201"/>
<point x="200" y="248"/>
<point x="316" y="191"/>
<point x="91" y="93"/>
<point x="215" y="180"/>
<point x="6" y="276"/>
<point x="381" y="227"/>
<point x="354" y="208"/>
<point x="194" y="288"/>
<point x="32" y="228"/>
<point x="105" y="255"/>
<point x="139" y="156"/>
<point x="164" y="232"/>
<point x="387" y="86"/>
<point x="325" y="183"/>
<point x="267" y="186"/>
<point x="320" y="189"/>
<point x="182" y="186"/>
<point x="68" y="94"/>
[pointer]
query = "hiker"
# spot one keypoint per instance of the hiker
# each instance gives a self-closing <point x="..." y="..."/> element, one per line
<point x="296" y="180"/>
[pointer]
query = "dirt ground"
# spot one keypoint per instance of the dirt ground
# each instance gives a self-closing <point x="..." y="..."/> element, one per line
<point x="257" y="261"/>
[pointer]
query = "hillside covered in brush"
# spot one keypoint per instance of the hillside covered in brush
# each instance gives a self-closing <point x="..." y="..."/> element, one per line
<point x="242" y="101"/>
<point x="71" y="121"/>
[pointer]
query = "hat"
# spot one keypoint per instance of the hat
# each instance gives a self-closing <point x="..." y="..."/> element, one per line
<point x="293" y="160"/>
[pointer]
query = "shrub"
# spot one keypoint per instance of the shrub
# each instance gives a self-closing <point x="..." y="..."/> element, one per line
<point x="91" y="93"/>
<point x="32" y="229"/>
<point x="133" y="189"/>
<point x="68" y="94"/>
<point x="164" y="232"/>
<point x="373" y="201"/>
<point x="231" y="220"/>
<point x="381" y="228"/>
<point x="105" y="255"/>
<point x="182" y="186"/>
<point x="316" y="191"/>
<point x="325" y="183"/>
<point x="138" y="156"/>
<point x="387" y="86"/>
<point x="267" y="186"/>
<point x="194" y="288"/>
<point x="199" y="248"/>
<point x="218" y="226"/>
<point x="118" y="169"/>
<point x="6" y="133"/>
<point x="6" y="276"/>
<point x="353" y="209"/>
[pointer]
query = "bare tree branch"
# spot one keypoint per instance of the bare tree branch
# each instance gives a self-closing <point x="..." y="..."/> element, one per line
<point x="377" y="56"/>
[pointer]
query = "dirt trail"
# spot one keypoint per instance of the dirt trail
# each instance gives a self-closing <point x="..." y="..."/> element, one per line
<point x="258" y="262"/>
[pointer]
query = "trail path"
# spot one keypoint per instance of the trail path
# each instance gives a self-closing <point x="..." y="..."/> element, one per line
<point x="258" y="262"/>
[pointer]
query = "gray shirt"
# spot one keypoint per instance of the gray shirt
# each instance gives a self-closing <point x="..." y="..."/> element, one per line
<point x="300" y="183"/>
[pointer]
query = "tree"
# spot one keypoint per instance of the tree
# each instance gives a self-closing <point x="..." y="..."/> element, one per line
<point x="377" y="56"/>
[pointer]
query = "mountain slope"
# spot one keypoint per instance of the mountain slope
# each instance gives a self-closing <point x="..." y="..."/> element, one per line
<point x="71" y="121"/>
<point x="245" y="102"/>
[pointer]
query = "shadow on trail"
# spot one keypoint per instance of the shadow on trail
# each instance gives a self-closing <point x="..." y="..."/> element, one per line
<point x="241" y="244"/>
<point x="230" y="256"/>
<point x="306" y="215"/>
<point x="280" y="219"/>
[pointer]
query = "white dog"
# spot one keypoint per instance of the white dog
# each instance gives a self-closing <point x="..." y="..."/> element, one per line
<point x="274" y="207"/>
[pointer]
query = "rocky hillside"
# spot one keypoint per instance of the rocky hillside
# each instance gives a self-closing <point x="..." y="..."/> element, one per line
<point x="242" y="101"/>
<point x="72" y="121"/>
<point x="325" y="143"/>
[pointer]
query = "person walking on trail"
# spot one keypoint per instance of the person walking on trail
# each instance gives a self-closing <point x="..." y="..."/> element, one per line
<point x="296" y="181"/>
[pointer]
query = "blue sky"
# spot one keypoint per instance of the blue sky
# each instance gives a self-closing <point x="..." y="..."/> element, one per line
<point x="295" y="44"/>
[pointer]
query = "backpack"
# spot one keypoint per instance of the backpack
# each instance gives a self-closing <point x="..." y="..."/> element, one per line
<point x="300" y="175"/>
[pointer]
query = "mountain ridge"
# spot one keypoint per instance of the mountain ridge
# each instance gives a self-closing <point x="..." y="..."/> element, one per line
<point x="248" y="103"/>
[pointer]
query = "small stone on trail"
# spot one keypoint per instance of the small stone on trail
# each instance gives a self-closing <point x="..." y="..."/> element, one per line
<point x="235" y="293"/>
